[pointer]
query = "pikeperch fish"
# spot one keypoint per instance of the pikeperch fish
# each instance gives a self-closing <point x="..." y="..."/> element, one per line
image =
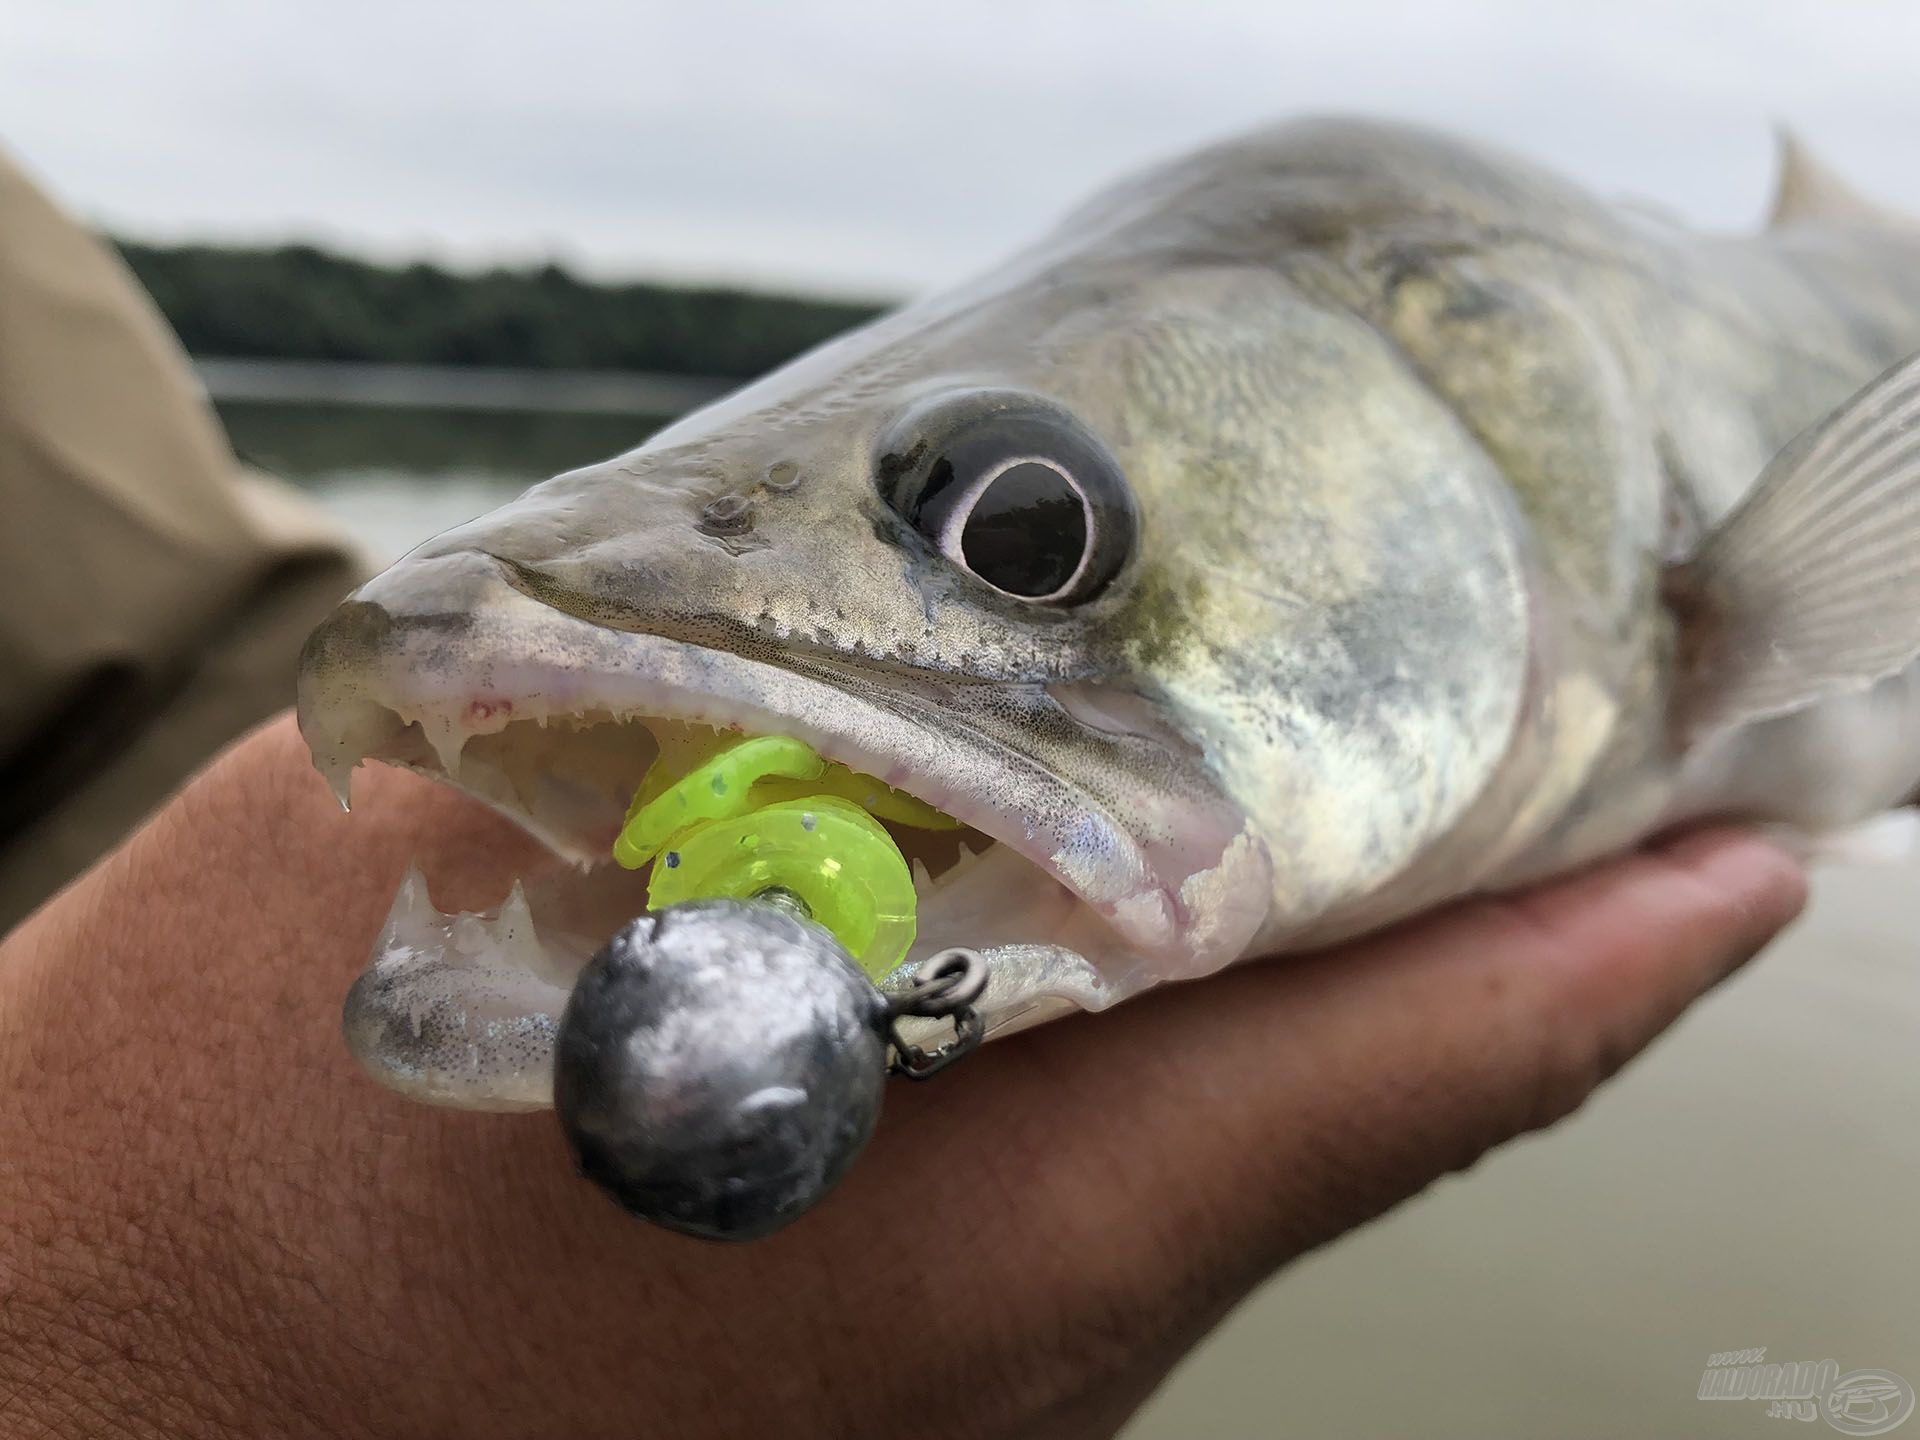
<point x="1308" y="531"/>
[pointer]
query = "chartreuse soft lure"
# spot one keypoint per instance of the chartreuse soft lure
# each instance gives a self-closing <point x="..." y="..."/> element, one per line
<point x="738" y="819"/>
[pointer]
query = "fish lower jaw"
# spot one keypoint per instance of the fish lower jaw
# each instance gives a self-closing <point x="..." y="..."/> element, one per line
<point x="462" y="1008"/>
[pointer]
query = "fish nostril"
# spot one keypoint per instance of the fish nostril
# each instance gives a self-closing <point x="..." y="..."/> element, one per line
<point x="727" y="515"/>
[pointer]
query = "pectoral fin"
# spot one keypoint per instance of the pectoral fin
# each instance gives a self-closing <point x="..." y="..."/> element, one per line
<point x="1811" y="588"/>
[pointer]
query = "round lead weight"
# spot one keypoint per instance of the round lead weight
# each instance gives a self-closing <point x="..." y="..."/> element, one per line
<point x="719" y="1066"/>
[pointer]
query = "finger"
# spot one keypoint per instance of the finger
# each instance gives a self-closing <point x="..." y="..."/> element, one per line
<point x="1198" y="1137"/>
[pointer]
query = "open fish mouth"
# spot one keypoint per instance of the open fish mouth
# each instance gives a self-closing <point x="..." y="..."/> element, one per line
<point x="446" y="667"/>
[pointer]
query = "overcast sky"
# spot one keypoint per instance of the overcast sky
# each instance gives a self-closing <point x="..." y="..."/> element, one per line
<point x="881" y="148"/>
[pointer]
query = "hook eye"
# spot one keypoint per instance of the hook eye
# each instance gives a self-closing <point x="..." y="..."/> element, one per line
<point x="945" y="986"/>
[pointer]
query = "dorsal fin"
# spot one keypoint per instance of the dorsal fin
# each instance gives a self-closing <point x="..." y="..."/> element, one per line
<point x="1809" y="193"/>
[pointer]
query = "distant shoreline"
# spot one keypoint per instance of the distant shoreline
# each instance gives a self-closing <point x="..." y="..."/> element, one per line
<point x="300" y="304"/>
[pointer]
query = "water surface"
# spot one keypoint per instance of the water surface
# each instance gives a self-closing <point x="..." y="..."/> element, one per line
<point x="396" y="476"/>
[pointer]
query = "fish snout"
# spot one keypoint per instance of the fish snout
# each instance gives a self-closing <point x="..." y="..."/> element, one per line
<point x="437" y="595"/>
<point x="415" y="630"/>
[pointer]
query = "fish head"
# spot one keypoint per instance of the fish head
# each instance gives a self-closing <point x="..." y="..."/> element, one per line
<point x="913" y="551"/>
<point x="1161" y="579"/>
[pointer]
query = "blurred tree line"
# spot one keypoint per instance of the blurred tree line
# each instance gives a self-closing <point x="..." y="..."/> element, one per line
<point x="301" y="302"/>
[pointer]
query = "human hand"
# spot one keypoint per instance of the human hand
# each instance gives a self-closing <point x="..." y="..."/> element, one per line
<point x="211" y="1223"/>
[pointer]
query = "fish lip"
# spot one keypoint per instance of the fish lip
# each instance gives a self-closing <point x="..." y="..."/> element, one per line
<point x="473" y="662"/>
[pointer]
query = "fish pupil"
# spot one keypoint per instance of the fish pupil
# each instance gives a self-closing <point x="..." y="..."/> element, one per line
<point x="1027" y="532"/>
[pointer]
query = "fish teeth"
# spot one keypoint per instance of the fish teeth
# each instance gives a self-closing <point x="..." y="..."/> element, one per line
<point x="506" y="937"/>
<point x="411" y="898"/>
<point x="338" y="774"/>
<point x="963" y="862"/>
<point x="513" y="928"/>
<point x="514" y="910"/>
<point x="446" y="737"/>
<point x="418" y="932"/>
<point x="413" y="925"/>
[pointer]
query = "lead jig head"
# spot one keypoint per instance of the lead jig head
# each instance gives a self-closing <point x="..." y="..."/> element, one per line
<point x="720" y="1063"/>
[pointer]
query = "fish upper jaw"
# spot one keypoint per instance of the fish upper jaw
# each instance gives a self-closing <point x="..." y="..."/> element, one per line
<point x="444" y="666"/>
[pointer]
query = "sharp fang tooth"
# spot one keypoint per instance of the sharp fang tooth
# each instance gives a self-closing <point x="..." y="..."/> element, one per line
<point x="447" y="739"/>
<point x="516" y="918"/>
<point x="922" y="877"/>
<point x="412" y="897"/>
<point x="507" y="938"/>
<point x="412" y="924"/>
<point x="338" y="775"/>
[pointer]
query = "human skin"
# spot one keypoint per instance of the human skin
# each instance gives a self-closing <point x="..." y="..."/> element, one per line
<point x="211" y="1224"/>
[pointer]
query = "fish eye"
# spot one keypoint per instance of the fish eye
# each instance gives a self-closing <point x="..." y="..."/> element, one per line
<point x="1014" y="491"/>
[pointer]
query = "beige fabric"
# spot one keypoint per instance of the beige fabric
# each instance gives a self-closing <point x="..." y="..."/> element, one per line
<point x="153" y="596"/>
